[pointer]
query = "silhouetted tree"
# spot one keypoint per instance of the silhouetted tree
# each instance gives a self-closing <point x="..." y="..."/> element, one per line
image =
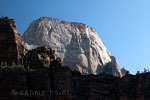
<point x="145" y="70"/>
<point x="138" y="72"/>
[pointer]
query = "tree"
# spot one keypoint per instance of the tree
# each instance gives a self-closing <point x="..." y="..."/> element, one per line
<point x="138" y="72"/>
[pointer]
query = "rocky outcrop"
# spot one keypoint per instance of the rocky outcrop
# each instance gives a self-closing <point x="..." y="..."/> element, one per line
<point x="41" y="57"/>
<point x="124" y="71"/>
<point x="115" y="67"/>
<point x="11" y="44"/>
<point x="77" y="44"/>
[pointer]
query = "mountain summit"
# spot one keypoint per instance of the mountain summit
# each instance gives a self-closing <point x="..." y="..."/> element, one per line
<point x="77" y="44"/>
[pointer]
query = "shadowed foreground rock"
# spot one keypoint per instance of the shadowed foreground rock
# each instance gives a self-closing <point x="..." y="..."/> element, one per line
<point x="63" y="84"/>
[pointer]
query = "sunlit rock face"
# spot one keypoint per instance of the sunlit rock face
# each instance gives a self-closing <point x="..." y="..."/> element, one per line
<point x="11" y="44"/>
<point x="77" y="44"/>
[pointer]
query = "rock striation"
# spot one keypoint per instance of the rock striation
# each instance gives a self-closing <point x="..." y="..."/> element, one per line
<point x="11" y="44"/>
<point x="77" y="44"/>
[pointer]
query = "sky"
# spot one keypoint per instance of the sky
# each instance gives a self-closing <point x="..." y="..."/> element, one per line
<point x="123" y="25"/>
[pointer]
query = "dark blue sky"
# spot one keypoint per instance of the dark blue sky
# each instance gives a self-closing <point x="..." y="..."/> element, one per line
<point x="123" y="25"/>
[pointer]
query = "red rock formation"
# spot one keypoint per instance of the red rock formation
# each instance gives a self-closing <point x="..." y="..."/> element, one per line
<point x="41" y="57"/>
<point x="11" y="44"/>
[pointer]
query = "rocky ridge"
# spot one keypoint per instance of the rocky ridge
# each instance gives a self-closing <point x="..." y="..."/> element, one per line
<point x="77" y="44"/>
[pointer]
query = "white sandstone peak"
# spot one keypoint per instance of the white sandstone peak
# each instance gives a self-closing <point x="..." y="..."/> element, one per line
<point x="77" y="44"/>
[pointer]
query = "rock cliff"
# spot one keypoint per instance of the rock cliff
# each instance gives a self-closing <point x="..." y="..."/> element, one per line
<point x="77" y="44"/>
<point x="11" y="44"/>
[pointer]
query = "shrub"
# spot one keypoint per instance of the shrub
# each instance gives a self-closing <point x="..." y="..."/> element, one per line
<point x="138" y="72"/>
<point x="13" y="65"/>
